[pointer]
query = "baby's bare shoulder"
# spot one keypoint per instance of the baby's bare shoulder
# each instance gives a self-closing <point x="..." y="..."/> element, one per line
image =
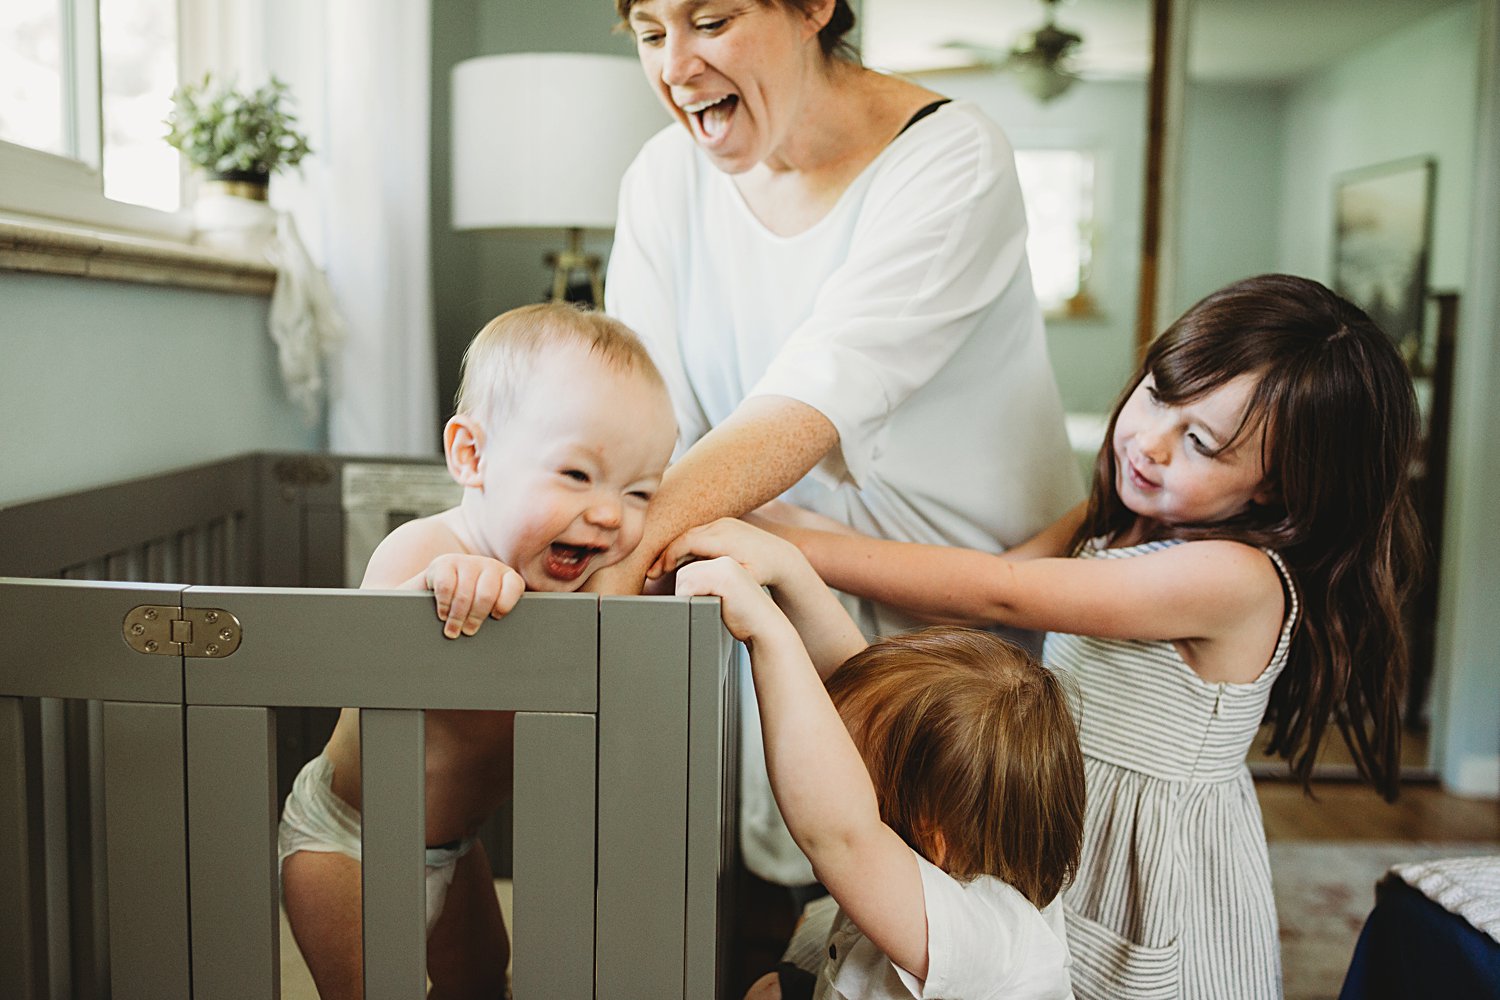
<point x="408" y="550"/>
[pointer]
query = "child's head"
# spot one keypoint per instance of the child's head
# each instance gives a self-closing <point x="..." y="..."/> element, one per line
<point x="1310" y="416"/>
<point x="973" y="754"/>
<point x="562" y="431"/>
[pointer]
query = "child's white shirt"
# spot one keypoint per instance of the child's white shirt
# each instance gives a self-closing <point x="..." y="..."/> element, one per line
<point x="984" y="939"/>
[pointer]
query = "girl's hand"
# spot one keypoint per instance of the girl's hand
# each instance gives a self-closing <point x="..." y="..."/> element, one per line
<point x="781" y="514"/>
<point x="749" y="613"/>
<point x="469" y="589"/>
<point x="769" y="560"/>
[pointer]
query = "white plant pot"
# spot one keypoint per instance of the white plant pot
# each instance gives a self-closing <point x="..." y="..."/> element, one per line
<point x="233" y="216"/>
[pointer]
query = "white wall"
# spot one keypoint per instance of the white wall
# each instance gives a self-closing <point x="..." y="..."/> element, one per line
<point x="106" y="380"/>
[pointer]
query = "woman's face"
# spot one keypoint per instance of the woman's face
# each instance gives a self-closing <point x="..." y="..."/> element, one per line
<point x="731" y="71"/>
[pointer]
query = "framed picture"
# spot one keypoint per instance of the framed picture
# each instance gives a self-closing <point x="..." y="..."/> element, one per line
<point x="1382" y="233"/>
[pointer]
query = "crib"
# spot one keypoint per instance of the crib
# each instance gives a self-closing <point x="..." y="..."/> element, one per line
<point x="168" y="640"/>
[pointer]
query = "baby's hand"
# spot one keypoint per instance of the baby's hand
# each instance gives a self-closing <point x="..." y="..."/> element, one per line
<point x="768" y="559"/>
<point x="749" y="613"/>
<point x="469" y="589"/>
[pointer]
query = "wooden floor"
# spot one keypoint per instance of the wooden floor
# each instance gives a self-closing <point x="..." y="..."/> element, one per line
<point x="1346" y="810"/>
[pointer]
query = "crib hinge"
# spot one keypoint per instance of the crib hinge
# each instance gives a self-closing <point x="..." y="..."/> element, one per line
<point x="167" y="630"/>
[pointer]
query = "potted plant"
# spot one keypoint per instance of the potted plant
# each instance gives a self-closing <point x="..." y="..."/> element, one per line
<point x="238" y="140"/>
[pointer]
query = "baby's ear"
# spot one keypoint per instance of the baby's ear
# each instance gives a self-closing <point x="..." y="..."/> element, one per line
<point x="463" y="443"/>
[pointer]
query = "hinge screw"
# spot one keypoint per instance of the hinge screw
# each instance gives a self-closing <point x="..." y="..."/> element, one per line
<point x="149" y="614"/>
<point x="226" y="634"/>
<point x="137" y="629"/>
<point x="212" y="649"/>
<point x="211" y="617"/>
<point x="150" y="643"/>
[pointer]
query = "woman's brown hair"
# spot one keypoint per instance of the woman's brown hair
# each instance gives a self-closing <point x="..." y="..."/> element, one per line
<point x="1337" y="418"/>
<point x="832" y="37"/>
<point x="973" y="753"/>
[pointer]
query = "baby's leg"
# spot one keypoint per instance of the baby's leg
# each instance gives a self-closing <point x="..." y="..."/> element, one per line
<point x="469" y="949"/>
<point x="321" y="892"/>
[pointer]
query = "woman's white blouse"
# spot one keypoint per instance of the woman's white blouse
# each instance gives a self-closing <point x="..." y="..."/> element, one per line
<point x="906" y="316"/>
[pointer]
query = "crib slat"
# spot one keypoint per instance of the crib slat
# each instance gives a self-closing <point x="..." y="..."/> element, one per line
<point x="145" y="817"/>
<point x="713" y="738"/>
<point x="231" y="777"/>
<point x="23" y="959"/>
<point x="554" y="844"/>
<point x="392" y="770"/>
<point x="643" y="685"/>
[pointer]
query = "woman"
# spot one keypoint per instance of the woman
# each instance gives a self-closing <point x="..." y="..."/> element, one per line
<point x="829" y="266"/>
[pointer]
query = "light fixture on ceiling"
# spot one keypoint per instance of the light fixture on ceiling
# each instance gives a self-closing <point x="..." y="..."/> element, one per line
<point x="1039" y="61"/>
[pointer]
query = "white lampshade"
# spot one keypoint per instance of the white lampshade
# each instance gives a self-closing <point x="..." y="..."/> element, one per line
<point x="542" y="139"/>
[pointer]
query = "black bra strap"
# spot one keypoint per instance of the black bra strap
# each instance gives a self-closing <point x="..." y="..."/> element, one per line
<point x="924" y="112"/>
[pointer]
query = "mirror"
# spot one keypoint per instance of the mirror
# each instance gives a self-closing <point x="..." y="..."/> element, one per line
<point x="1306" y="131"/>
<point x="1281" y="103"/>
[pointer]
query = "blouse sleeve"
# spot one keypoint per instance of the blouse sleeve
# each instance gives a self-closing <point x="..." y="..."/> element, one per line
<point x="641" y="290"/>
<point x="940" y="239"/>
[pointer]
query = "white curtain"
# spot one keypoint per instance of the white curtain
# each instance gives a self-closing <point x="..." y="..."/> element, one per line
<point x="361" y="74"/>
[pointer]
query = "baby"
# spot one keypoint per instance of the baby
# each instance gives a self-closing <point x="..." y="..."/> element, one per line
<point x="562" y="431"/>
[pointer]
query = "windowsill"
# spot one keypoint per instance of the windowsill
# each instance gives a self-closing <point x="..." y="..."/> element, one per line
<point x="47" y="247"/>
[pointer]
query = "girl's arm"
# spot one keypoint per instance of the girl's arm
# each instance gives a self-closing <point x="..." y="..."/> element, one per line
<point x="818" y="777"/>
<point x="827" y="631"/>
<point x="1195" y="590"/>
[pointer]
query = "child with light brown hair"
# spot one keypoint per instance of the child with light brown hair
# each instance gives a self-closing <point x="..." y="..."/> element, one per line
<point x="935" y="783"/>
<point x="562" y="431"/>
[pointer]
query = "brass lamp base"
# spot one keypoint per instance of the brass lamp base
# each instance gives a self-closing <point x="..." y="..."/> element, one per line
<point x="572" y="260"/>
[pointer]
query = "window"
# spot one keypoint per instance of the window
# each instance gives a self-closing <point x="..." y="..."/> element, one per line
<point x="1057" y="186"/>
<point x="84" y="86"/>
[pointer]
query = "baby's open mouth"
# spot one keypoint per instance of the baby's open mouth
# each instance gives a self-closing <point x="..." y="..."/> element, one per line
<point x="713" y="116"/>
<point x="567" y="562"/>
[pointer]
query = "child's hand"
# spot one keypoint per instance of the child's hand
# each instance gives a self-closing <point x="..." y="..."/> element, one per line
<point x="749" y="613"/>
<point x="769" y="560"/>
<point x="779" y="514"/>
<point x="469" y="589"/>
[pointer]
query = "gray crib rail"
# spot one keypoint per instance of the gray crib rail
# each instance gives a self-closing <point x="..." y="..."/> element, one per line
<point x="622" y="793"/>
<point x="138" y="793"/>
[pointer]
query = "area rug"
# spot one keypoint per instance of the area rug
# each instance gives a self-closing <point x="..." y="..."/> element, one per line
<point x="1324" y="892"/>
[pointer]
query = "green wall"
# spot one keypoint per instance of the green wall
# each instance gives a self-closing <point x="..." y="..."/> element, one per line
<point x="107" y="380"/>
<point x="477" y="275"/>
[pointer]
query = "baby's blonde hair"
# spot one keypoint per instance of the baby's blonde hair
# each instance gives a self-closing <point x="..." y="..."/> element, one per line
<point x="501" y="356"/>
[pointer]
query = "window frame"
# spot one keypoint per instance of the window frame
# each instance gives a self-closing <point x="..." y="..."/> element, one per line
<point x="1083" y="303"/>
<point x="43" y="187"/>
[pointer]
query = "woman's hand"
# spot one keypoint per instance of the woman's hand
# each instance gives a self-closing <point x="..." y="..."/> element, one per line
<point x="468" y="589"/>
<point x="769" y="560"/>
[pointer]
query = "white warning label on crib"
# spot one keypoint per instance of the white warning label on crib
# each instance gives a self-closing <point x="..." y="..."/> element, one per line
<point x="380" y="496"/>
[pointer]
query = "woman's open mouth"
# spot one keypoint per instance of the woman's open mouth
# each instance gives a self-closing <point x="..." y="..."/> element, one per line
<point x="711" y="118"/>
<point x="567" y="563"/>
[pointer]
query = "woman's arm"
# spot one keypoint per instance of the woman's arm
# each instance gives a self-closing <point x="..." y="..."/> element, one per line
<point x="766" y="446"/>
<point x="818" y="777"/>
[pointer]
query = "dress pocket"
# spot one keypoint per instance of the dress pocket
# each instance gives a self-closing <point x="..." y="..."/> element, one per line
<point x="1109" y="966"/>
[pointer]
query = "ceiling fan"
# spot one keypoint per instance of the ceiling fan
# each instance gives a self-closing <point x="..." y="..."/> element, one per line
<point x="1040" y="59"/>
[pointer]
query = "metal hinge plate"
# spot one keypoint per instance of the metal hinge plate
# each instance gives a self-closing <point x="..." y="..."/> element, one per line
<point x="167" y="630"/>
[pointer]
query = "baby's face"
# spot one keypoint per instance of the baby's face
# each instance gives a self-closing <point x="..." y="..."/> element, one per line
<point x="568" y="473"/>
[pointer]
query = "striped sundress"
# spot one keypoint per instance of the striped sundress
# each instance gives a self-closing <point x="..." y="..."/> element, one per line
<point x="1173" y="892"/>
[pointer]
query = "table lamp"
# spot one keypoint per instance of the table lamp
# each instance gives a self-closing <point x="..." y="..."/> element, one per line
<point x="541" y="140"/>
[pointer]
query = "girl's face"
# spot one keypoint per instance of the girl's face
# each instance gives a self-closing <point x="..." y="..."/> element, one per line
<point x="731" y="71"/>
<point x="1170" y="461"/>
